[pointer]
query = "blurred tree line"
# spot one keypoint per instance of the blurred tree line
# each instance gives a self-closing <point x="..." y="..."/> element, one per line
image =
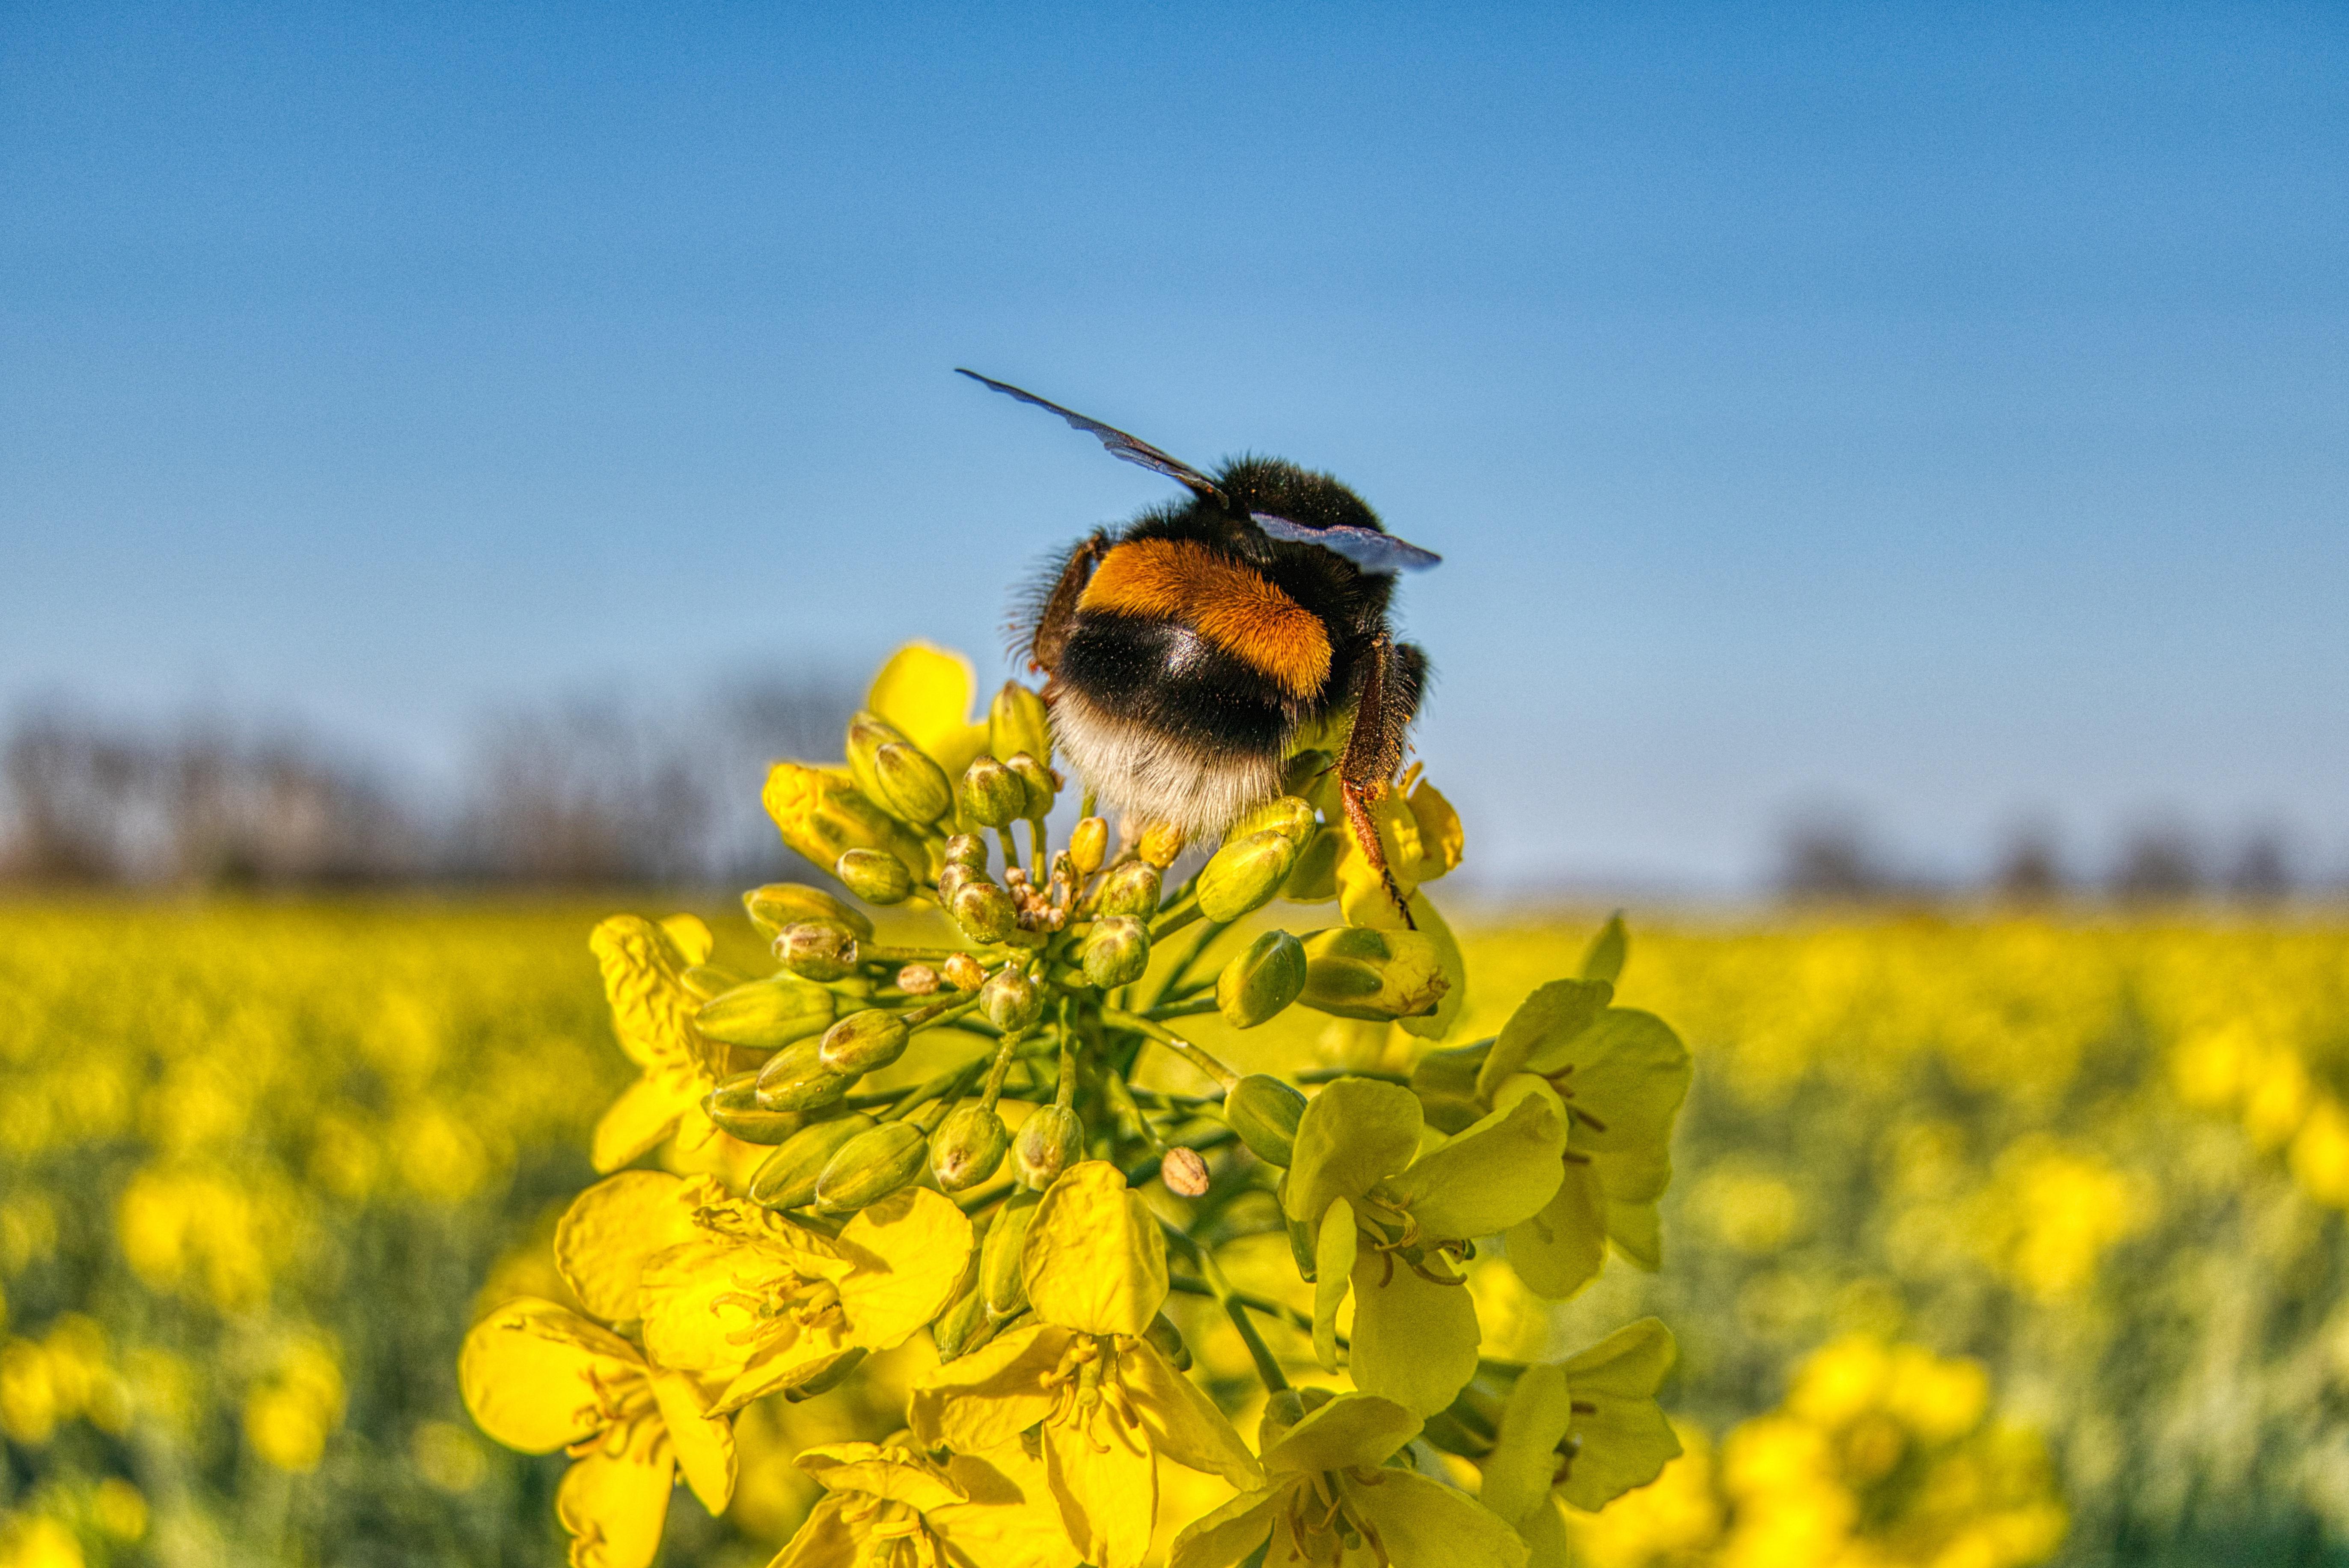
<point x="597" y="791"/>
<point x="1830" y="855"/>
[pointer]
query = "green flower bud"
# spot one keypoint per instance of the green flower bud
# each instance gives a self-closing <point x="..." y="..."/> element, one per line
<point x="985" y="911"/>
<point x="707" y="980"/>
<point x="876" y="876"/>
<point x="1018" y="721"/>
<point x="778" y="904"/>
<point x="914" y="789"/>
<point x="863" y="1042"/>
<point x="1089" y="845"/>
<point x="786" y="1179"/>
<point x="1264" y="1111"/>
<point x="766" y="1015"/>
<point x="967" y="849"/>
<point x="1244" y="875"/>
<point x="1117" y="951"/>
<point x="1314" y="878"/>
<point x="1168" y="1340"/>
<point x="869" y="1167"/>
<point x="1360" y="972"/>
<point x="1131" y="889"/>
<point x="953" y="880"/>
<point x="969" y="1147"/>
<point x="733" y="1106"/>
<point x="1285" y="1409"/>
<point x="795" y="1078"/>
<point x="992" y="795"/>
<point x="1289" y="815"/>
<point x="999" y="1282"/>
<point x="1049" y="1142"/>
<point x="1042" y="788"/>
<point x="835" y="1372"/>
<point x="1010" y="1000"/>
<point x="1260" y="982"/>
<point x="817" y="950"/>
<point x="963" y="1328"/>
<point x="868" y="732"/>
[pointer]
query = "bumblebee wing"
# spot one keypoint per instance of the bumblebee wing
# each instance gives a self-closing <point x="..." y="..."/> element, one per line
<point x="1119" y="443"/>
<point x="1365" y="547"/>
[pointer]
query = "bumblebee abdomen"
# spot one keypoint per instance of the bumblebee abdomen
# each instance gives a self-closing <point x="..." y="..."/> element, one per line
<point x="1230" y="608"/>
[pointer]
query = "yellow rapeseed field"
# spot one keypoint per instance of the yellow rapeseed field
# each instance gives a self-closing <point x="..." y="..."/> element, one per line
<point x="1994" y="1241"/>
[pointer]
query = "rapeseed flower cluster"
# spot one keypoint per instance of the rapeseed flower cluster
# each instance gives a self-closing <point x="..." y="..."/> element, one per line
<point x="992" y="1123"/>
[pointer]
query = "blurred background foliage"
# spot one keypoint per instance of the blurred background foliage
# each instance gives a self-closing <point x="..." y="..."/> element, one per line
<point x="1997" y="1238"/>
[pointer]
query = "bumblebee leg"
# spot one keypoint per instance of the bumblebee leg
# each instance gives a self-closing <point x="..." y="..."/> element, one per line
<point x="1391" y="681"/>
<point x="1051" y="633"/>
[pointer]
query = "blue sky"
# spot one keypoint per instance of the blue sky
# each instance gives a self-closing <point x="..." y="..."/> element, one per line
<point x="1942" y="414"/>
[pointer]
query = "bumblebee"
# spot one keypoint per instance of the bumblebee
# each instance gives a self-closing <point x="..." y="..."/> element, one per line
<point x="1187" y="652"/>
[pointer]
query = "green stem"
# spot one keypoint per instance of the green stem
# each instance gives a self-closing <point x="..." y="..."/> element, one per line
<point x="950" y="1085"/>
<point x="1174" y="917"/>
<point x="1267" y="1365"/>
<point x="1172" y="1042"/>
<point x="1288" y="1316"/>
<point x="870" y="952"/>
<point x="1326" y="1074"/>
<point x="1182" y="1009"/>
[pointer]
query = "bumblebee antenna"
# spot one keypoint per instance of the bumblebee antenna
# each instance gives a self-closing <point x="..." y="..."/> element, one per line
<point x="1129" y="449"/>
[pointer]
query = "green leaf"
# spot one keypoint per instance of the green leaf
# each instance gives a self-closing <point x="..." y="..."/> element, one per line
<point x="1500" y="1172"/>
<point x="1355" y="1133"/>
<point x="1625" y="1440"/>
<point x="1603" y="960"/>
<point x="1541" y="1027"/>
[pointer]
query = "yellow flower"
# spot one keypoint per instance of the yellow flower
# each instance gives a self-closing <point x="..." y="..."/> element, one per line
<point x="1329" y="1498"/>
<point x="752" y="1303"/>
<point x="1385" y="1225"/>
<point x="538" y="1377"/>
<point x="892" y="1506"/>
<point x="643" y="967"/>
<point x="1094" y="1266"/>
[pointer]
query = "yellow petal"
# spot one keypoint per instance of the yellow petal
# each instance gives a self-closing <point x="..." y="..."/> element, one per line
<point x="1441" y="839"/>
<point x="643" y="967"/>
<point x="802" y="1358"/>
<point x="1525" y="1456"/>
<point x="1011" y="1520"/>
<point x="1334" y="1266"/>
<point x="1449" y="962"/>
<point x="613" y="1504"/>
<point x="1107" y="1485"/>
<point x="925" y="691"/>
<point x="827" y="1540"/>
<point x="1500" y="1172"/>
<point x="1350" y="1429"/>
<point x="1354" y="1133"/>
<point x="530" y="1372"/>
<point x="1414" y="1341"/>
<point x="1181" y="1422"/>
<point x="898" y="1474"/>
<point x="984" y="1400"/>
<point x="1226" y="1538"/>
<point x="644" y="1114"/>
<point x="701" y="1304"/>
<point x="1094" y="1259"/>
<point x="704" y="1444"/>
<point x="905" y="1255"/>
<point x="1429" y="1525"/>
<point x="1625" y="1440"/>
<point x="1559" y="1251"/>
<point x="608" y="1232"/>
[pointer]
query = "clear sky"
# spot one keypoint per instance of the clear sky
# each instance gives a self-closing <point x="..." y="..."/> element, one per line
<point x="1943" y="411"/>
